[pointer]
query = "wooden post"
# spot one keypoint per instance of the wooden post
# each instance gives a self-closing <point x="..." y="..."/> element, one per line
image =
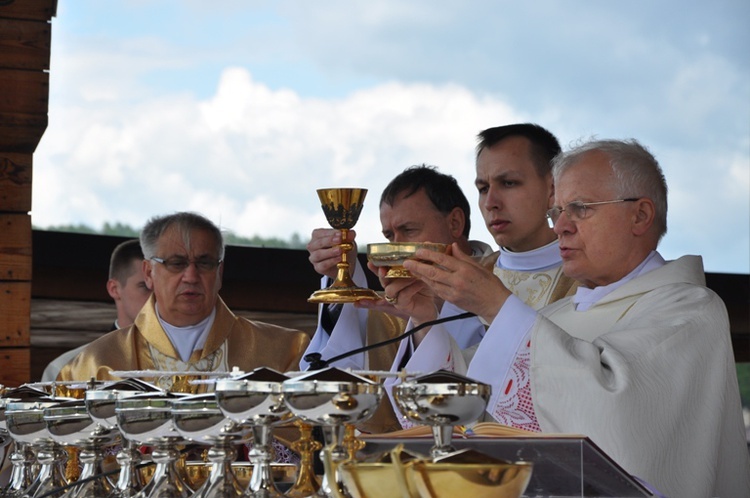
<point x="24" y="100"/>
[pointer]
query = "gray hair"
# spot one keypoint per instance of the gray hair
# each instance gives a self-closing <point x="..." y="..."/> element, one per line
<point x="637" y="173"/>
<point x="184" y="222"/>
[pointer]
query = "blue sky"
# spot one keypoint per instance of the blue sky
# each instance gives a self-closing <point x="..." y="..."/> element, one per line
<point x="240" y="109"/>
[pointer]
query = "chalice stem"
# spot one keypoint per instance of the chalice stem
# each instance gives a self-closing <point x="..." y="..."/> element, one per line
<point x="343" y="279"/>
<point x="442" y="434"/>
<point x="307" y="482"/>
<point x="261" y="481"/>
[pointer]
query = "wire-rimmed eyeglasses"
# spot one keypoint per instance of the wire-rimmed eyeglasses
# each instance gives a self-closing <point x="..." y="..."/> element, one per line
<point x="178" y="264"/>
<point x="578" y="210"/>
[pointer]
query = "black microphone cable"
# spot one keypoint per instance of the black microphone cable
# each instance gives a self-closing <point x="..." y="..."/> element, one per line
<point x="317" y="362"/>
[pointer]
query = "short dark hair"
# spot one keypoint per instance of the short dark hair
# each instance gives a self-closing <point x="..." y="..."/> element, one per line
<point x="544" y="145"/>
<point x="442" y="190"/>
<point x="184" y="222"/>
<point x="121" y="260"/>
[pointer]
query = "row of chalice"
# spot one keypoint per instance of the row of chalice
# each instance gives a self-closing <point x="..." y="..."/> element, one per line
<point x="42" y="425"/>
<point x="45" y="426"/>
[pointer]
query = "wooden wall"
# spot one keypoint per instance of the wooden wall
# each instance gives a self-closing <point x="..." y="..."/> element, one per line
<point x="25" y="31"/>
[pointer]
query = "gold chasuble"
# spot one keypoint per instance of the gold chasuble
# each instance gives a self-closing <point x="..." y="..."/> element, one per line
<point x="232" y="342"/>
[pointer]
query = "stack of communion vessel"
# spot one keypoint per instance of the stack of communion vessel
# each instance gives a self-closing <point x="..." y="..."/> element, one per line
<point x="130" y="438"/>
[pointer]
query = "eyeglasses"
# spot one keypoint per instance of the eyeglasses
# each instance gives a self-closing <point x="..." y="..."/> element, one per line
<point x="179" y="264"/>
<point x="578" y="210"/>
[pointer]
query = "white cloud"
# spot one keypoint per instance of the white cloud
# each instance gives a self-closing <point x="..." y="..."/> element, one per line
<point x="230" y="113"/>
<point x="253" y="157"/>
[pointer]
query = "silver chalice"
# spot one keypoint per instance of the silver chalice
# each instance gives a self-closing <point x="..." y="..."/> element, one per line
<point x="255" y="400"/>
<point x="198" y="418"/>
<point x="147" y="419"/>
<point x="100" y="404"/>
<point x="25" y="421"/>
<point x="71" y="425"/>
<point x="22" y="458"/>
<point x="442" y="400"/>
<point x="332" y="398"/>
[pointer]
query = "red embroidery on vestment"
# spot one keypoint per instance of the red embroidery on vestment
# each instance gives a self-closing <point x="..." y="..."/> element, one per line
<point x="516" y="407"/>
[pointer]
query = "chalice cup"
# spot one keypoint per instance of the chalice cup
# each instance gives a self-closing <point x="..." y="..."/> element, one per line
<point x="198" y="418"/>
<point x="255" y="400"/>
<point x="25" y="422"/>
<point x="342" y="207"/>
<point x="442" y="400"/>
<point x="147" y="419"/>
<point x="332" y="398"/>
<point x="100" y="404"/>
<point x="22" y="458"/>
<point x="71" y="425"/>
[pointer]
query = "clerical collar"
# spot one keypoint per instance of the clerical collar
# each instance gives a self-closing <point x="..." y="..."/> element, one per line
<point x="187" y="339"/>
<point x="542" y="258"/>
<point x="585" y="297"/>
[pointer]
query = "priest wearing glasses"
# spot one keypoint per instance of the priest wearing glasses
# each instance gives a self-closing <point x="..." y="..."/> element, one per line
<point x="185" y="325"/>
<point x="640" y="359"/>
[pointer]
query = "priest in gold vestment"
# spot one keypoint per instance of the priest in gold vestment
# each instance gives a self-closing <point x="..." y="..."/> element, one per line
<point x="185" y="326"/>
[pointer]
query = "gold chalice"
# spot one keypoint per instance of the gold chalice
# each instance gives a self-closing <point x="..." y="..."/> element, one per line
<point x="393" y="254"/>
<point x="342" y="207"/>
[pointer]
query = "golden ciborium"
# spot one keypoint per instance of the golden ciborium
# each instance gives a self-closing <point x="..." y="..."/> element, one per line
<point x="342" y="207"/>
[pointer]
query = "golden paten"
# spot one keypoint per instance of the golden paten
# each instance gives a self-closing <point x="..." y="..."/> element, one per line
<point x="393" y="254"/>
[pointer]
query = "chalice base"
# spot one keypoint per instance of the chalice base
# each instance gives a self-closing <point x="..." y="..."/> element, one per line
<point x="342" y="295"/>
<point x="398" y="272"/>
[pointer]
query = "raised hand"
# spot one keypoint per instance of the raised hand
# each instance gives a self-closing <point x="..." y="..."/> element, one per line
<point x="325" y="252"/>
<point x="457" y="278"/>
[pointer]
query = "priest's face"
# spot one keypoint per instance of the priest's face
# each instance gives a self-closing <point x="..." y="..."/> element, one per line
<point x="513" y="198"/>
<point x="415" y="218"/>
<point x="603" y="247"/>
<point x="186" y="284"/>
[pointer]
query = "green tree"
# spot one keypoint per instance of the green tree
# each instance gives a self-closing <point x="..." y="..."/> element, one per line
<point x="123" y="230"/>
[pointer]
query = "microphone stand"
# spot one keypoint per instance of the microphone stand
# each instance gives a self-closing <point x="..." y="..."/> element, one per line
<point x="317" y="362"/>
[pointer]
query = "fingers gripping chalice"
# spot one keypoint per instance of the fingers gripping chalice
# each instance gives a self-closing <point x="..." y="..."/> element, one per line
<point x="342" y="207"/>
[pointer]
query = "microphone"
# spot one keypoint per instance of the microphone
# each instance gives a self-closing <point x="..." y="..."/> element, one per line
<point x="317" y="362"/>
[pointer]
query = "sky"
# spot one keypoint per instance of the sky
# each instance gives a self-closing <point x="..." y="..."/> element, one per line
<point x="241" y="109"/>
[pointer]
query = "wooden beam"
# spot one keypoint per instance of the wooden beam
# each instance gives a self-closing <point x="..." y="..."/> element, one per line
<point x="15" y="182"/>
<point x="25" y="44"/>
<point x="39" y="10"/>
